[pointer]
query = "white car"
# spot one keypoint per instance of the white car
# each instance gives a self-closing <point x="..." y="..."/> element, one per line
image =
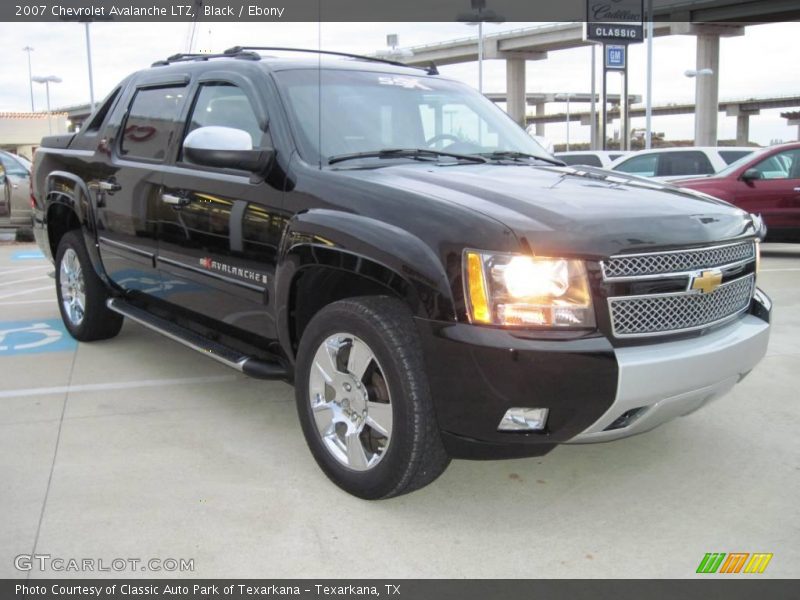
<point x="666" y="164"/>
<point x="591" y="158"/>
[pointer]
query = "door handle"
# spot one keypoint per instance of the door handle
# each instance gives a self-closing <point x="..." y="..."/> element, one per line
<point x="174" y="199"/>
<point x="797" y="189"/>
<point x="108" y="185"/>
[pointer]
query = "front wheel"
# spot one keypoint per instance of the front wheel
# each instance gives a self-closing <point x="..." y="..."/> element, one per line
<point x="363" y="399"/>
<point x="81" y="293"/>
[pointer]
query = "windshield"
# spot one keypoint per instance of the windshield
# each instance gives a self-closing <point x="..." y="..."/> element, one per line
<point x="341" y="112"/>
<point x="737" y="164"/>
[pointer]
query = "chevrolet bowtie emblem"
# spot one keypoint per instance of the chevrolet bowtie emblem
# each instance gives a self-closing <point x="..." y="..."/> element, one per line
<point x="705" y="282"/>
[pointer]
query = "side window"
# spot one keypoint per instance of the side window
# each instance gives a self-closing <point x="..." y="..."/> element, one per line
<point x="644" y="166"/>
<point x="225" y="105"/>
<point x="151" y="121"/>
<point x="783" y="165"/>
<point x="12" y="166"/>
<point x="684" y="163"/>
<point x="581" y="159"/>
<point x="730" y="156"/>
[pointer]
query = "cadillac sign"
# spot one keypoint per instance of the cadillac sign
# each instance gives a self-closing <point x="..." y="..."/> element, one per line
<point x="614" y="21"/>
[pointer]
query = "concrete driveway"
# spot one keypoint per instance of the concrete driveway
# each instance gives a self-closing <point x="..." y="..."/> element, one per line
<point x="137" y="448"/>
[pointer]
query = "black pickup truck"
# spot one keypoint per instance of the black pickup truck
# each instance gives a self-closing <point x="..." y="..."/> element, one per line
<point x="433" y="283"/>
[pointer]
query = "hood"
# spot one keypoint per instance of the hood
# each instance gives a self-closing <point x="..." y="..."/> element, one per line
<point x="572" y="211"/>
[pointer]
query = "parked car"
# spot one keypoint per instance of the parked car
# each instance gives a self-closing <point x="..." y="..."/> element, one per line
<point x="15" y="200"/>
<point x="666" y="164"/>
<point x="591" y="158"/>
<point x="767" y="183"/>
<point x="432" y="282"/>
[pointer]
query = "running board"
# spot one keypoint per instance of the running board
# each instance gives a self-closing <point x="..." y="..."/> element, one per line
<point x="249" y="365"/>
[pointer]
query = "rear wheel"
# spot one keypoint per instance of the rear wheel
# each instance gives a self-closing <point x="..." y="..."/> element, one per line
<point x="81" y="293"/>
<point x="363" y="399"/>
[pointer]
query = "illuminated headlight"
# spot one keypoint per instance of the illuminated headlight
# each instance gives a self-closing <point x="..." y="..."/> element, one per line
<point x="515" y="290"/>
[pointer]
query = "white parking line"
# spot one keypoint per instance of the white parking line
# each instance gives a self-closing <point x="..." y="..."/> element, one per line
<point x="15" y="270"/>
<point x="22" y="280"/>
<point x="21" y="302"/>
<point x="23" y="292"/>
<point x="104" y="387"/>
<point x="778" y="270"/>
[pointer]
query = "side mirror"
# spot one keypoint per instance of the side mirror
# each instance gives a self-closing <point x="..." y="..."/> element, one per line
<point x="226" y="148"/>
<point x="751" y="175"/>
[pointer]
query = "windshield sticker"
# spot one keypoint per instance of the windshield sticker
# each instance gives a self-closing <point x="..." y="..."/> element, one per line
<point x="410" y="83"/>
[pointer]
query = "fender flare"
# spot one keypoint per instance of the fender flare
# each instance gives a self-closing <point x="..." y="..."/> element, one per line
<point x="80" y="201"/>
<point x="366" y="247"/>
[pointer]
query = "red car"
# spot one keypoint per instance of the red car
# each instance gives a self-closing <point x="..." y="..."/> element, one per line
<point x="766" y="182"/>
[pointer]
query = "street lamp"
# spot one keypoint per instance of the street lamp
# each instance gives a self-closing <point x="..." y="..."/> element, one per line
<point x="565" y="97"/>
<point x="478" y="16"/>
<point x="47" y="81"/>
<point x="29" y="49"/>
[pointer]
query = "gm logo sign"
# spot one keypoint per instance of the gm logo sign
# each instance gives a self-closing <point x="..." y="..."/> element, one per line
<point x="735" y="562"/>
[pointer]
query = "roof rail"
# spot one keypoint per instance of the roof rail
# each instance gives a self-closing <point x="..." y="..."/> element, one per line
<point x="430" y="70"/>
<point x="185" y="57"/>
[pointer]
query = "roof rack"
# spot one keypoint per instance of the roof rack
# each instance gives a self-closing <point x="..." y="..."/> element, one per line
<point x="185" y="57"/>
<point x="236" y="50"/>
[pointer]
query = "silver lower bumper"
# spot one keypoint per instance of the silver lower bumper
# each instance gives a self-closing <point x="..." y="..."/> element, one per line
<point x="675" y="378"/>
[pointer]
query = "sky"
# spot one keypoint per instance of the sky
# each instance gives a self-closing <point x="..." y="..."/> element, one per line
<point x="757" y="64"/>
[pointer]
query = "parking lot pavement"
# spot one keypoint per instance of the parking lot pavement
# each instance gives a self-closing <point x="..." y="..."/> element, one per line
<point x="139" y="448"/>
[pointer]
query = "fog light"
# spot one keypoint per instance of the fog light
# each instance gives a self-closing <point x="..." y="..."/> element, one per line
<point x="523" y="419"/>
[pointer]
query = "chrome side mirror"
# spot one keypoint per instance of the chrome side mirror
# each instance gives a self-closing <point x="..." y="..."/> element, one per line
<point x="224" y="147"/>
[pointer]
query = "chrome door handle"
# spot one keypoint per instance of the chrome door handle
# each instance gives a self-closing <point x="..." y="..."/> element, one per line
<point x="174" y="199"/>
<point x="108" y="186"/>
<point x="797" y="189"/>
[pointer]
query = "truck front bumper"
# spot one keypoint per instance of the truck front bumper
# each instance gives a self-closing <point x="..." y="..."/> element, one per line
<point x="593" y="391"/>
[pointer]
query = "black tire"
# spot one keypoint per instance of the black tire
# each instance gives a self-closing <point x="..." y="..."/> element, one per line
<point x="98" y="322"/>
<point x="414" y="455"/>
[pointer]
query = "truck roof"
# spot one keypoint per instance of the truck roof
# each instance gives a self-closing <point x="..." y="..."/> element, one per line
<point x="279" y="59"/>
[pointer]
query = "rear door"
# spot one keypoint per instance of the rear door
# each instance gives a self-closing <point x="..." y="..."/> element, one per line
<point x="217" y="248"/>
<point x="128" y="197"/>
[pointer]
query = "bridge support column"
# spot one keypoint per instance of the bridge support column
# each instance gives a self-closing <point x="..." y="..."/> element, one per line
<point x="540" y="113"/>
<point x="706" y="90"/>
<point x="515" y="89"/>
<point x="742" y="130"/>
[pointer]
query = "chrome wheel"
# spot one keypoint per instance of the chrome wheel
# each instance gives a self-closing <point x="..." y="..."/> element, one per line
<point x="73" y="288"/>
<point x="350" y="402"/>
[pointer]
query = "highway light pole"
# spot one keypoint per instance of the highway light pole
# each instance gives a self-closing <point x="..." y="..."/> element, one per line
<point x="478" y="16"/>
<point x="46" y="81"/>
<point x="29" y="49"/>
<point x="89" y="61"/>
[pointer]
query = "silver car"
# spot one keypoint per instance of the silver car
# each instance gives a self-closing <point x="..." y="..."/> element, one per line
<point x="15" y="203"/>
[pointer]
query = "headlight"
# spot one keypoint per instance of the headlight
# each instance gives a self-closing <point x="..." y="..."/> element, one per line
<point x="516" y="290"/>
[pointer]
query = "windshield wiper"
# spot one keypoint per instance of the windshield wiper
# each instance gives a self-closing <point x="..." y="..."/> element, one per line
<point x="415" y="153"/>
<point x="514" y="155"/>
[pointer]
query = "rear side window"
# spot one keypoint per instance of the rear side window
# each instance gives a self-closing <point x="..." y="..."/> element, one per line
<point x="684" y="163"/>
<point x="643" y="166"/>
<point x="151" y="122"/>
<point x="581" y="159"/>
<point x="100" y="115"/>
<point x="730" y="156"/>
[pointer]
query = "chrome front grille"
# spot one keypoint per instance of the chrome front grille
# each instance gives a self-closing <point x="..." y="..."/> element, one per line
<point x="661" y="263"/>
<point x="671" y="313"/>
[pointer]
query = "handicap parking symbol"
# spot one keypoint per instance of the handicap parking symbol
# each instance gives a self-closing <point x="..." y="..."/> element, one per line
<point x="32" y="337"/>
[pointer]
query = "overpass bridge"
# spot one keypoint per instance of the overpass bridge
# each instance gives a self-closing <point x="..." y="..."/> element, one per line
<point x="708" y="20"/>
<point x="742" y="109"/>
